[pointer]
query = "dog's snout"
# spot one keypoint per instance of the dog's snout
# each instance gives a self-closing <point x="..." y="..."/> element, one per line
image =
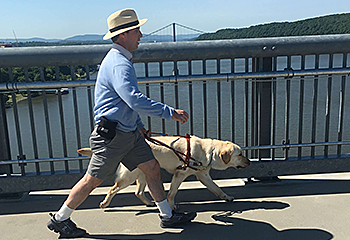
<point x="244" y="162"/>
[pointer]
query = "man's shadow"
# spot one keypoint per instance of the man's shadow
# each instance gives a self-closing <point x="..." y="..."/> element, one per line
<point x="226" y="225"/>
<point x="229" y="228"/>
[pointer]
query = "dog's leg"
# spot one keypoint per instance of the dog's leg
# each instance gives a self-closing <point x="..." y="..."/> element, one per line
<point x="205" y="178"/>
<point x="111" y="192"/>
<point x="126" y="179"/>
<point x="140" y="191"/>
<point x="178" y="177"/>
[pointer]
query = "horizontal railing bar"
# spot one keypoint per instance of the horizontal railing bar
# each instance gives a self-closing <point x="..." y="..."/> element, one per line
<point x="53" y="56"/>
<point x="243" y="48"/>
<point x="287" y="74"/>
<point x="43" y="160"/>
<point x="317" y="144"/>
<point x="243" y="148"/>
<point x="45" y="85"/>
<point x="179" y="51"/>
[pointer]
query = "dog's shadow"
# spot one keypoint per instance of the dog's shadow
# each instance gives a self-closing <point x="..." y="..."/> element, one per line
<point x="227" y="225"/>
<point x="234" y="207"/>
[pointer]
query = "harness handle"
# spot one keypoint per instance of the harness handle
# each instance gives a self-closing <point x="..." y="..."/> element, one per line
<point x="156" y="133"/>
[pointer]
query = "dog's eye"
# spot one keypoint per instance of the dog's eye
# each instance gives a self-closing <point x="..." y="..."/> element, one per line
<point x="240" y="154"/>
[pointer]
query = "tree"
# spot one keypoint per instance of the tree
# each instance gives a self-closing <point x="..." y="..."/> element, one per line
<point x="332" y="24"/>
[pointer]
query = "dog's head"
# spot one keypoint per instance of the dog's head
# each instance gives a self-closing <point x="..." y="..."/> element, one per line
<point x="231" y="155"/>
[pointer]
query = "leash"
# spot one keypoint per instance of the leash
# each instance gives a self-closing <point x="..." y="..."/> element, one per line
<point x="188" y="161"/>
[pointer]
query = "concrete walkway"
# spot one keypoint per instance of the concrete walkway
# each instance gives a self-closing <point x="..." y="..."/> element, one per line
<point x="314" y="207"/>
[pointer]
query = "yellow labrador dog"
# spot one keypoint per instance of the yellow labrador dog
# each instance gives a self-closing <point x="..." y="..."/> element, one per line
<point x="211" y="153"/>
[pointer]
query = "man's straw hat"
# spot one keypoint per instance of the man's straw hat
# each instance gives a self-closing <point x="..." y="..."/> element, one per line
<point x="122" y="21"/>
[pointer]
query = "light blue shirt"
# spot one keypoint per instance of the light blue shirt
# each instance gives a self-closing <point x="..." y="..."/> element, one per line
<point x="117" y="96"/>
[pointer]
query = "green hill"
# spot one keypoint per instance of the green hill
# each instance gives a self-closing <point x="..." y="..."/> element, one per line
<point x="331" y="24"/>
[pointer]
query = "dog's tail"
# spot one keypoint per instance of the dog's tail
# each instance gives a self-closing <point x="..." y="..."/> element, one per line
<point x="85" y="151"/>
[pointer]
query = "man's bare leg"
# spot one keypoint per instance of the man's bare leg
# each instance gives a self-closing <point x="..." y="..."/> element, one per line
<point x="168" y="218"/>
<point x="60" y="222"/>
<point x="151" y="169"/>
<point x="81" y="190"/>
<point x="154" y="182"/>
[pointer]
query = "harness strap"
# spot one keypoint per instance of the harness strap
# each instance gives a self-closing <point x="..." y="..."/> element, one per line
<point x="187" y="161"/>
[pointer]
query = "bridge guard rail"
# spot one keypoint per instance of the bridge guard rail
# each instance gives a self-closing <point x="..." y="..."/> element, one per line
<point x="283" y="100"/>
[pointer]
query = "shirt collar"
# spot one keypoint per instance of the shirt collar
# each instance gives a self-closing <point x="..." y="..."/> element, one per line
<point x="122" y="50"/>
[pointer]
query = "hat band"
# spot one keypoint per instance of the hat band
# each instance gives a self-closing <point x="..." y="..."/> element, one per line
<point x="130" y="24"/>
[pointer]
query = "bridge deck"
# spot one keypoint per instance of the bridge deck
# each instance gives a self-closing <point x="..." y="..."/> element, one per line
<point x="310" y="207"/>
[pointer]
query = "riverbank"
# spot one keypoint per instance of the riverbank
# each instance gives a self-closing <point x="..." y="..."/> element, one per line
<point x="19" y="98"/>
<point x="24" y="96"/>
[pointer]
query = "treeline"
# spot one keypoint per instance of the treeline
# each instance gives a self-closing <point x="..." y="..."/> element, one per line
<point x="34" y="74"/>
<point x="331" y="24"/>
<point x="46" y="73"/>
<point x="62" y="43"/>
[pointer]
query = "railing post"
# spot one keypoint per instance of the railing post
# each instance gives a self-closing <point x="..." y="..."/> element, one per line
<point x="4" y="138"/>
<point x="261" y="107"/>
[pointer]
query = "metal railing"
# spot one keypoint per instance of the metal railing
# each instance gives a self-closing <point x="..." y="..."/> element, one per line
<point x="278" y="98"/>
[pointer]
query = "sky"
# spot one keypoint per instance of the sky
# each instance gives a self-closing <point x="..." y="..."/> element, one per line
<point x="53" y="19"/>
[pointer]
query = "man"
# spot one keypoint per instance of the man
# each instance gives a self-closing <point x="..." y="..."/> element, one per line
<point x="119" y="133"/>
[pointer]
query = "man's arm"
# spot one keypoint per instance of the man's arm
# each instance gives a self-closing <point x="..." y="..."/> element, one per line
<point x="128" y="91"/>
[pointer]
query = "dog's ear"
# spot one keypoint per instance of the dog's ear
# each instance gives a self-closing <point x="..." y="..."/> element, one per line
<point x="225" y="155"/>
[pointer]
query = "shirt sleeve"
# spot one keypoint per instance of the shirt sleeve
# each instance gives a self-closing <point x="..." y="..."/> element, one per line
<point x="139" y="123"/>
<point x="125" y="84"/>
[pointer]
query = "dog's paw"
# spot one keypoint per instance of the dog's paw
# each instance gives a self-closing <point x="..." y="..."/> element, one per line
<point x="103" y="205"/>
<point x="172" y="203"/>
<point x="229" y="198"/>
<point x="151" y="205"/>
<point x="177" y="207"/>
<point x="173" y="206"/>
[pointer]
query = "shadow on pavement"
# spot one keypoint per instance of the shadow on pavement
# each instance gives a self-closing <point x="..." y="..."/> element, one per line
<point x="47" y="203"/>
<point x="234" y="207"/>
<point x="229" y="228"/>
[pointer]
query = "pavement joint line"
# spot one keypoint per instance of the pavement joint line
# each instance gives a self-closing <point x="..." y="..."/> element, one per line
<point x="131" y="189"/>
<point x="188" y="185"/>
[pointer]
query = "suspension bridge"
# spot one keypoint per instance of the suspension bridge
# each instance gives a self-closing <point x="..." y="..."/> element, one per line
<point x="173" y="32"/>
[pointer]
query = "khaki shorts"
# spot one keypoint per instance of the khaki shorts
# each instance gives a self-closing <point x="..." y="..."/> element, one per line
<point x="130" y="148"/>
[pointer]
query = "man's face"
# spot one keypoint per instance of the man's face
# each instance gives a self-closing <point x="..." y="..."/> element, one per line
<point x="132" y="39"/>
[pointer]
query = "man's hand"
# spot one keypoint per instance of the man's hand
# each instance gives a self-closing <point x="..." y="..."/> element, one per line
<point x="144" y="132"/>
<point x="180" y="116"/>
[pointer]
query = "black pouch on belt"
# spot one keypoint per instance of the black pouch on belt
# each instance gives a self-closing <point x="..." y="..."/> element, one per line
<point x="106" y="128"/>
